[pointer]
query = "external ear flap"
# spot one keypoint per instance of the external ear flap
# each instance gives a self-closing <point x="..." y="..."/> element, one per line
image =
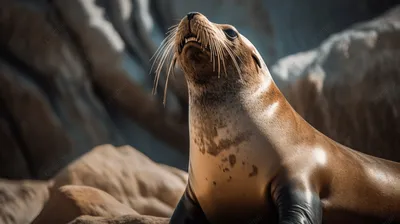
<point x="256" y="60"/>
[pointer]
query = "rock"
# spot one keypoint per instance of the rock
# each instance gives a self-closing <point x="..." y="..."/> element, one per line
<point x="127" y="219"/>
<point x="281" y="28"/>
<point x="42" y="72"/>
<point x="130" y="177"/>
<point x="70" y="202"/>
<point x="21" y="201"/>
<point x="348" y="86"/>
<point x="70" y="75"/>
<point x="12" y="159"/>
<point x="106" y="32"/>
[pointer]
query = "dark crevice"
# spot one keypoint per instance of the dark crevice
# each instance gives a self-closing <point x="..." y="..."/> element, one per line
<point x="78" y="47"/>
<point x="137" y="25"/>
<point x="74" y="38"/>
<point x="30" y="74"/>
<point x="16" y="133"/>
<point x="160" y="20"/>
<point x="130" y="50"/>
<point x="145" y="53"/>
<point x="108" y="6"/>
<point x="55" y="18"/>
<point x="117" y="26"/>
<point x="19" y="65"/>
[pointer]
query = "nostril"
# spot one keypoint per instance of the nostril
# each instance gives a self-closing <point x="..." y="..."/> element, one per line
<point x="190" y="15"/>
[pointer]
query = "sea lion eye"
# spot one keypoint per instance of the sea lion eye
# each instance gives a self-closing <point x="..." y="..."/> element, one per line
<point x="230" y="33"/>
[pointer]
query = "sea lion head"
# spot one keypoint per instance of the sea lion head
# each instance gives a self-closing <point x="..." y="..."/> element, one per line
<point x="212" y="56"/>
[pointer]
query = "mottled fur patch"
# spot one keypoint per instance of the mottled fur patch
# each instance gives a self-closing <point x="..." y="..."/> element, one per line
<point x="254" y="171"/>
<point x="232" y="160"/>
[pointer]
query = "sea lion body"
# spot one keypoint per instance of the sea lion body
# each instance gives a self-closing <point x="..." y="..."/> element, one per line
<point x="253" y="159"/>
<point x="233" y="161"/>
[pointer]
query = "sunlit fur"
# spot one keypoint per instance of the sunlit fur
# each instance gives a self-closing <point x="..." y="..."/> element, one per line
<point x="214" y="44"/>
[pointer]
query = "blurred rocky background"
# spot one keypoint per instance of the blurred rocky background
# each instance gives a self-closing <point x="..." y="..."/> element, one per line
<point x="80" y="129"/>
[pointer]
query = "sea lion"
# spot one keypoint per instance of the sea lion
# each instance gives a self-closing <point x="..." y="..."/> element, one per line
<point x="253" y="159"/>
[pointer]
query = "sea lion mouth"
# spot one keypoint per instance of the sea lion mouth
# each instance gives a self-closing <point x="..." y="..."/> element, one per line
<point x="192" y="40"/>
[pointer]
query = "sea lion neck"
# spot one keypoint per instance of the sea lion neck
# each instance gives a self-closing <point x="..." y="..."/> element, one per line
<point x="250" y="109"/>
<point x="228" y="89"/>
<point x="214" y="93"/>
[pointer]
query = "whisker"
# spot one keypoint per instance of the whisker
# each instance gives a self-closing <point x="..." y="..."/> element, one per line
<point x="237" y="58"/>
<point x="160" y="65"/>
<point x="215" y="54"/>
<point x="170" y="70"/>
<point x="222" y="55"/>
<point x="164" y="57"/>
<point x="162" y="54"/>
<point x="167" y="41"/>
<point x="159" y="54"/>
<point x="206" y="42"/>
<point x="220" y="58"/>
<point x="173" y="26"/>
<point x="170" y="36"/>
<point x="212" y="50"/>
<point x="228" y="49"/>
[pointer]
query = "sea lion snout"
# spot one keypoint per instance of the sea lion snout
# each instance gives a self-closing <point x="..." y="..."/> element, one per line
<point x="190" y="15"/>
<point x="190" y="33"/>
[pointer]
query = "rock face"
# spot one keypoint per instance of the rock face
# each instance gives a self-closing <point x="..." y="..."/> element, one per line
<point x="21" y="201"/>
<point x="130" y="177"/>
<point x="348" y="87"/>
<point x="281" y="28"/>
<point x="74" y="74"/>
<point x="64" y="88"/>
<point x="70" y="202"/>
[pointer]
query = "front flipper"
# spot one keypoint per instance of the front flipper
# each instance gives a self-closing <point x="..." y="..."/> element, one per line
<point x="296" y="205"/>
<point x="188" y="211"/>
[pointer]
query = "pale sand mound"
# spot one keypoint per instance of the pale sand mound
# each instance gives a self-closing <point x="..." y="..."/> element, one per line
<point x="130" y="177"/>
<point x="127" y="219"/>
<point x="21" y="201"/>
<point x="70" y="202"/>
